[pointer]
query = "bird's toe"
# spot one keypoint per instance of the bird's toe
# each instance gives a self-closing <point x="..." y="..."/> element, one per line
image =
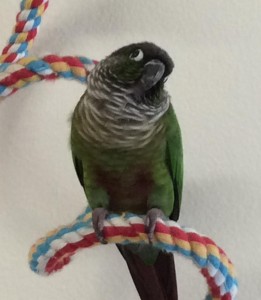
<point x="150" y="221"/>
<point x="98" y="217"/>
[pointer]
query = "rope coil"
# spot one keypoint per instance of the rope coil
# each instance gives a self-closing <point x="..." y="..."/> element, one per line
<point x="17" y="70"/>
<point x="29" y="70"/>
<point x="53" y="252"/>
<point x="28" y="21"/>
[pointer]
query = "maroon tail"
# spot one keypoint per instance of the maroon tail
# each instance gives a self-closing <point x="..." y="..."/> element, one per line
<point x="153" y="282"/>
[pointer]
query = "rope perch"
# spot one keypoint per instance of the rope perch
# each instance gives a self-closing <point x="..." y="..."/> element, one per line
<point x="51" y="253"/>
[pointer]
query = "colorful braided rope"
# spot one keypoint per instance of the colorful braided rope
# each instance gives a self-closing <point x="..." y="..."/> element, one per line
<point x="53" y="252"/>
<point x="30" y="70"/>
<point x="28" y="21"/>
<point x="17" y="70"/>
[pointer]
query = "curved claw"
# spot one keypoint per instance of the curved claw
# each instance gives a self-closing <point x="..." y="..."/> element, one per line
<point x="150" y="221"/>
<point x="98" y="217"/>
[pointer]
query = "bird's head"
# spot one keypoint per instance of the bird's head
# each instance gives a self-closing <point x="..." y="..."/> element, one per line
<point x="142" y="67"/>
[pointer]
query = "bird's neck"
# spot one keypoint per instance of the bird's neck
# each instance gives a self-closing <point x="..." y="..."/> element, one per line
<point x="106" y="90"/>
<point x="108" y="116"/>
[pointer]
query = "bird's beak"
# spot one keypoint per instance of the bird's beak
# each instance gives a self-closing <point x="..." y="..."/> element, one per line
<point x="152" y="74"/>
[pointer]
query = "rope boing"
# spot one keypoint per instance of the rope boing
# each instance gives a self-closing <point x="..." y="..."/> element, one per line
<point x="52" y="252"/>
<point x="18" y="70"/>
<point x="29" y="70"/>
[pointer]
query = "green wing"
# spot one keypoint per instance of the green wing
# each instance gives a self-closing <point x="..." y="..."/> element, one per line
<point x="74" y="141"/>
<point x="78" y="168"/>
<point x="174" y="159"/>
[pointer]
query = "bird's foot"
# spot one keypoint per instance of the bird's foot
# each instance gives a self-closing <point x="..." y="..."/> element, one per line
<point x="98" y="217"/>
<point x="150" y="221"/>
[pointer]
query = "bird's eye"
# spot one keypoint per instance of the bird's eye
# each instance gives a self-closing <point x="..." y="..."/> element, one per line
<point x="166" y="78"/>
<point x="137" y="55"/>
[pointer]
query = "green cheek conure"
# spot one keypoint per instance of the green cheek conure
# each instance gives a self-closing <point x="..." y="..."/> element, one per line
<point x="127" y="151"/>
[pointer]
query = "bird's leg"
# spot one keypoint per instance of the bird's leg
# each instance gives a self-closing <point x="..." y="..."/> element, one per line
<point x="98" y="200"/>
<point x="99" y="215"/>
<point x="150" y="221"/>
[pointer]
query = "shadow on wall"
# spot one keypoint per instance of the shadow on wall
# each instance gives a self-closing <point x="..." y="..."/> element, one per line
<point x="215" y="199"/>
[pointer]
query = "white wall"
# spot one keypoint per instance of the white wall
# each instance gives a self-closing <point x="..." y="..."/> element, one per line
<point x="216" y="92"/>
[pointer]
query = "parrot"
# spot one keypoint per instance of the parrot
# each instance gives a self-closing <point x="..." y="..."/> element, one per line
<point x="127" y="151"/>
